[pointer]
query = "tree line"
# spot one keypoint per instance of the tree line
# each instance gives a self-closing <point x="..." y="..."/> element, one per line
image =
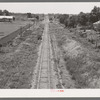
<point x="30" y="15"/>
<point x="5" y="12"/>
<point x="82" y="19"/>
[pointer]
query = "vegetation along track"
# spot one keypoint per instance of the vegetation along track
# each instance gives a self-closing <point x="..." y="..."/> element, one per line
<point x="56" y="60"/>
<point x="45" y="76"/>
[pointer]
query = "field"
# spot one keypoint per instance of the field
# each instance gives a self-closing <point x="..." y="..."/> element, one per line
<point x="18" y="59"/>
<point x="9" y="27"/>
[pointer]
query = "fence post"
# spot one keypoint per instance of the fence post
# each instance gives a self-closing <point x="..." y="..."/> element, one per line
<point x="21" y="31"/>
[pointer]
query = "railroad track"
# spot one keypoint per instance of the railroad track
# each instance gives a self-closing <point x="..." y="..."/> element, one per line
<point x="43" y="75"/>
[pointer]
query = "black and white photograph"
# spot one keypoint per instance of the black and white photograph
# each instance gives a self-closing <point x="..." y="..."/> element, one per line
<point x="52" y="46"/>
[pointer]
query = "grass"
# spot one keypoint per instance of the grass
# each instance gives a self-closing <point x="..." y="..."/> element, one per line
<point x="84" y="67"/>
<point x="9" y="27"/>
<point x="17" y="66"/>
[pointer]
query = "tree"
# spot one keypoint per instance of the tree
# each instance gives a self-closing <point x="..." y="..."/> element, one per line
<point x="82" y="19"/>
<point x="1" y="13"/>
<point x="95" y="14"/>
<point x="66" y="22"/>
<point x="37" y="17"/>
<point x="5" y="12"/>
<point x="63" y="18"/>
<point x="92" y="18"/>
<point x="72" y="21"/>
<point x="29" y="15"/>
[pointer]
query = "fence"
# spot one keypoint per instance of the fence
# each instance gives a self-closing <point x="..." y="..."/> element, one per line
<point x="11" y="36"/>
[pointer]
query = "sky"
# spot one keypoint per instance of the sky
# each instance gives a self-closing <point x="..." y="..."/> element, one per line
<point x="64" y="7"/>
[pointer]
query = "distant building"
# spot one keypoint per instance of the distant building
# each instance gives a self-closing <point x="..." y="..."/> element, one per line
<point x="6" y="18"/>
<point x="96" y="25"/>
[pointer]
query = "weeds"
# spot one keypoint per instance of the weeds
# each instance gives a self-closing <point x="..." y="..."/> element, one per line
<point x="16" y="70"/>
<point x="84" y="68"/>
